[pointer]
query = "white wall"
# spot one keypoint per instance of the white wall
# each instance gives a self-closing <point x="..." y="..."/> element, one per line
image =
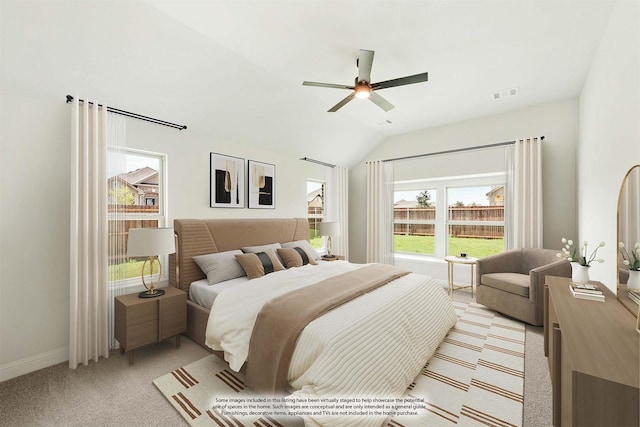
<point x="557" y="121"/>
<point x="609" y="133"/>
<point x="38" y="69"/>
<point x="34" y="248"/>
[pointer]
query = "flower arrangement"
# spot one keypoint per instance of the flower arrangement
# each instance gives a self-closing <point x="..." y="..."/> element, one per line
<point x="571" y="253"/>
<point x="633" y="261"/>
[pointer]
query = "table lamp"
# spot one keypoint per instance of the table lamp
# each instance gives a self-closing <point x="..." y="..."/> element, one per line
<point x="150" y="242"/>
<point x="329" y="229"/>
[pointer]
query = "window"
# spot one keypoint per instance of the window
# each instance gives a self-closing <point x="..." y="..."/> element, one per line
<point x="137" y="199"/>
<point x="315" y="208"/>
<point x="414" y="221"/>
<point x="469" y="220"/>
<point x="475" y="220"/>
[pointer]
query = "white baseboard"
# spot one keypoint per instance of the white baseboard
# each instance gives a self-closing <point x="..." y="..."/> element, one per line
<point x="33" y="363"/>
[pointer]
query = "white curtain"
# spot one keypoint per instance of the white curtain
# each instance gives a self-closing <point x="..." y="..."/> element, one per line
<point x="89" y="330"/>
<point x="380" y="212"/>
<point x="524" y="202"/>
<point x="117" y="227"/>
<point x="337" y="206"/>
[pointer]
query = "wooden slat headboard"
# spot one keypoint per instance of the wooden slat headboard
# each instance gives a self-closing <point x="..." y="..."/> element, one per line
<point x="205" y="236"/>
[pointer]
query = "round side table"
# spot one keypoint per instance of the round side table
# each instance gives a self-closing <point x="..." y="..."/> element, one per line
<point x="451" y="261"/>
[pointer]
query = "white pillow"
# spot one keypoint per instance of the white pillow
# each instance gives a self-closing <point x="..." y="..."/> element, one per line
<point x="304" y="245"/>
<point x="220" y="266"/>
<point x="261" y="248"/>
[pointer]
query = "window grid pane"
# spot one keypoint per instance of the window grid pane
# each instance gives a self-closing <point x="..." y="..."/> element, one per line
<point x="315" y="211"/>
<point x="475" y="228"/>
<point x="414" y="223"/>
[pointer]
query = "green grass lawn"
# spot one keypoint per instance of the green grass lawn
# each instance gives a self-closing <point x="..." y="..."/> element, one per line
<point x="129" y="269"/>
<point x="477" y="248"/>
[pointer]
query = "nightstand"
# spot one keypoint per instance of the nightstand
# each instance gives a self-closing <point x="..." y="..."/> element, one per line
<point x="143" y="321"/>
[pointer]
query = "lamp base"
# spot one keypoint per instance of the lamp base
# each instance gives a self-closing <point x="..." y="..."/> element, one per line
<point x="156" y="293"/>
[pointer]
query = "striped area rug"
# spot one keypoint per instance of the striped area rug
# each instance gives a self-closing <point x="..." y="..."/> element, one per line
<point x="476" y="378"/>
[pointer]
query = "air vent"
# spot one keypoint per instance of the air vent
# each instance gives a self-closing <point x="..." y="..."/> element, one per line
<point x="505" y="93"/>
<point x="386" y="122"/>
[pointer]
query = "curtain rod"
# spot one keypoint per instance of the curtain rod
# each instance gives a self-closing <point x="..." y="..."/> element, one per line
<point x="134" y="115"/>
<point x="318" y="162"/>
<point x="456" y="150"/>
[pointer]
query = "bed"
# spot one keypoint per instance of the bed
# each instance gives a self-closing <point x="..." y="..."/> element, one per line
<point x="372" y="345"/>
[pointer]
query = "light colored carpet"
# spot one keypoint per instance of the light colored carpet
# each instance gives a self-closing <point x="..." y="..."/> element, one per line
<point x="112" y="393"/>
<point x="475" y="378"/>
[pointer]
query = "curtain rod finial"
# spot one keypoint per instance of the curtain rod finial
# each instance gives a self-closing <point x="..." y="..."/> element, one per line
<point x="69" y="98"/>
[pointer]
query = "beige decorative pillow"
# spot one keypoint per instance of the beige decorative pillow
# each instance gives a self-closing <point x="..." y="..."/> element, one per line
<point x="295" y="257"/>
<point x="261" y="263"/>
<point x="304" y="245"/>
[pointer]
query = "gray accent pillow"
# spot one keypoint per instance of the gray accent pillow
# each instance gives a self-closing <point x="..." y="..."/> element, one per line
<point x="304" y="245"/>
<point x="261" y="248"/>
<point x="220" y="266"/>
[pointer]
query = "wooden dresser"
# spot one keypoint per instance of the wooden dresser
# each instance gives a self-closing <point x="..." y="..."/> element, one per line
<point x="594" y="358"/>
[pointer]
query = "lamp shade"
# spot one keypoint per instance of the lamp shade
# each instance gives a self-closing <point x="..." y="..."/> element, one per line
<point x="150" y="242"/>
<point x="329" y="228"/>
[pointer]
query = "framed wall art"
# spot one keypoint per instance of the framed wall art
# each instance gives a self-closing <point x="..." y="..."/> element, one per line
<point x="227" y="181"/>
<point x="262" y="185"/>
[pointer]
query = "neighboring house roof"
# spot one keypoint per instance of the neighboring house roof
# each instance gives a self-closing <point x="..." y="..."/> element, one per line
<point x="406" y="204"/>
<point x="145" y="175"/>
<point x="312" y="195"/>
<point x="495" y="190"/>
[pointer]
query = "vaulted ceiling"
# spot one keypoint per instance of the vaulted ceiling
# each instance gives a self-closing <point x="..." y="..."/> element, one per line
<point x="471" y="49"/>
<point x="235" y="69"/>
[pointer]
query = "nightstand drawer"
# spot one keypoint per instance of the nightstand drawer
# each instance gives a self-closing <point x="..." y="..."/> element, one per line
<point x="173" y="304"/>
<point x="142" y="313"/>
<point x="173" y="324"/>
<point x="141" y="335"/>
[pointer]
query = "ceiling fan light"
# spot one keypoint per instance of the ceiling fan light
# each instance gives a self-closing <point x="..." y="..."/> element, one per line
<point x="362" y="91"/>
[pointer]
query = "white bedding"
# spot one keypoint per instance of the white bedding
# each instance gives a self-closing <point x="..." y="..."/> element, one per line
<point x="372" y="346"/>
<point x="204" y="294"/>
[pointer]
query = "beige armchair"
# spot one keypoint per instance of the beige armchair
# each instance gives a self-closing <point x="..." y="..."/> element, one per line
<point x="512" y="282"/>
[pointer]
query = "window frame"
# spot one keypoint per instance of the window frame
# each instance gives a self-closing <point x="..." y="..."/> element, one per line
<point x="320" y="217"/>
<point x="162" y="216"/>
<point x="440" y="186"/>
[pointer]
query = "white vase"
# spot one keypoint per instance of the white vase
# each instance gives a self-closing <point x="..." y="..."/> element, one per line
<point x="579" y="273"/>
<point x="633" y="284"/>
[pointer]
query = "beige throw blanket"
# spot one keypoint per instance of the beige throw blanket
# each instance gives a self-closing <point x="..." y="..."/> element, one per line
<point x="282" y="319"/>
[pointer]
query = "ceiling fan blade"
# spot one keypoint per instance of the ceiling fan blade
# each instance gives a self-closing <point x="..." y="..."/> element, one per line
<point x="381" y="102"/>
<point x="341" y="104"/>
<point x="417" y="78"/>
<point x="365" y="61"/>
<point x="329" y="85"/>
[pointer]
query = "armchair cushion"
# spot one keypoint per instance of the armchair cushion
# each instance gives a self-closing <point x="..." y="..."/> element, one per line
<point x="514" y="283"/>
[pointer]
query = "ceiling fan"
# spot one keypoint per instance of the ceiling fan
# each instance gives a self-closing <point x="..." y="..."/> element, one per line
<point x="363" y="87"/>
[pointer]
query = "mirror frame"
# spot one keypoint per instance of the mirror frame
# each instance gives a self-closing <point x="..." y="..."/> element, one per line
<point x="622" y="296"/>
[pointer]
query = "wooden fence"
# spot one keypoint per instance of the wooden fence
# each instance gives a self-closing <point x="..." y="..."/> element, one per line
<point x="118" y="230"/>
<point x="314" y="215"/>
<point x="409" y="221"/>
